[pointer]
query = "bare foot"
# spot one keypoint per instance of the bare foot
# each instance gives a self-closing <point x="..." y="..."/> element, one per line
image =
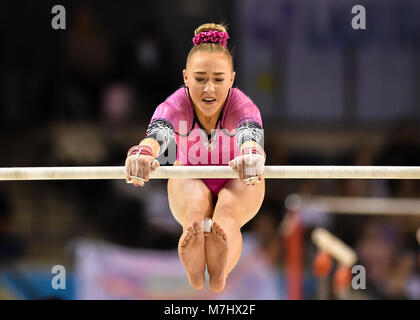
<point x="216" y="255"/>
<point x="191" y="253"/>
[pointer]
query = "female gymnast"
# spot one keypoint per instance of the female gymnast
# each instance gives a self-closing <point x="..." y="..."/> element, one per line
<point x="213" y="124"/>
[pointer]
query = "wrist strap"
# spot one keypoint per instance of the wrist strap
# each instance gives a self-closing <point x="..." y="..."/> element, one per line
<point x="254" y="150"/>
<point x="140" y="149"/>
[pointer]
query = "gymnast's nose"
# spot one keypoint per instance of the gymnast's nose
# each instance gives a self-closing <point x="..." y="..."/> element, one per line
<point x="209" y="87"/>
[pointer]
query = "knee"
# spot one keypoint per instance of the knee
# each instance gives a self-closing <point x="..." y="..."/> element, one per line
<point x="228" y="214"/>
<point x="229" y="208"/>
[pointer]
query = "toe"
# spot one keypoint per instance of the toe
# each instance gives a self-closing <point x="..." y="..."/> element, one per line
<point x="197" y="228"/>
<point x="191" y="229"/>
<point x="222" y="233"/>
<point x="215" y="227"/>
<point x="187" y="237"/>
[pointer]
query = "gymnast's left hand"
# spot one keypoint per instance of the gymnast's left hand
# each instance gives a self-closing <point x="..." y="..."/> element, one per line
<point x="250" y="167"/>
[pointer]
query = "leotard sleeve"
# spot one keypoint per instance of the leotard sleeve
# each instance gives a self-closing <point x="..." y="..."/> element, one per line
<point x="243" y="115"/>
<point x="174" y="115"/>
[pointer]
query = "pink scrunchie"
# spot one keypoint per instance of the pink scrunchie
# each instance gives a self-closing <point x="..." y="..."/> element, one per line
<point x="211" y="36"/>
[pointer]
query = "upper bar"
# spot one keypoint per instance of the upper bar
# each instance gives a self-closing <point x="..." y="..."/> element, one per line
<point x="197" y="172"/>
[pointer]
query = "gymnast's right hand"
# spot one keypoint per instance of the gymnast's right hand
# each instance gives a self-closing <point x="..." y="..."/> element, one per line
<point x="138" y="165"/>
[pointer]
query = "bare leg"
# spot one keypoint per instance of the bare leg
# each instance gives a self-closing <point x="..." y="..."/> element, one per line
<point x="237" y="204"/>
<point x="191" y="201"/>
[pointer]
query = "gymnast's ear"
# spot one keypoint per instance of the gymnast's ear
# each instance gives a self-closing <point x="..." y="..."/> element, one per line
<point x="184" y="74"/>
<point x="233" y="78"/>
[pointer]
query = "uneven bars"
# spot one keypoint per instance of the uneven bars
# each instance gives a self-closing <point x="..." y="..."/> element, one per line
<point x="197" y="172"/>
<point x="360" y="205"/>
<point x="326" y="241"/>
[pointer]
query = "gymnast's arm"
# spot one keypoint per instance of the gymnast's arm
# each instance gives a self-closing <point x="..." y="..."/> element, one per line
<point x="250" y="162"/>
<point x="245" y="116"/>
<point x="250" y="134"/>
<point x="141" y="159"/>
<point x="159" y="135"/>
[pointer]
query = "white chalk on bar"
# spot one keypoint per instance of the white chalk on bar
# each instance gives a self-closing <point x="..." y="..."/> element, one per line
<point x="206" y="225"/>
<point x="334" y="247"/>
<point x="198" y="172"/>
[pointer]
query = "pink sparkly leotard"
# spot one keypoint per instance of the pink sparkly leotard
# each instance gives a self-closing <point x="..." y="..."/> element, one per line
<point x="194" y="146"/>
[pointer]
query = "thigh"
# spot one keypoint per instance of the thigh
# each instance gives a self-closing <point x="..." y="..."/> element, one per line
<point x="189" y="200"/>
<point x="239" y="201"/>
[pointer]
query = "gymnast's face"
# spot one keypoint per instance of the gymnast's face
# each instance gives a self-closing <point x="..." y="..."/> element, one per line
<point x="209" y="77"/>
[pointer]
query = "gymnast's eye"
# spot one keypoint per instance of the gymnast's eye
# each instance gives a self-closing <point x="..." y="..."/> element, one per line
<point x="199" y="79"/>
<point x="219" y="80"/>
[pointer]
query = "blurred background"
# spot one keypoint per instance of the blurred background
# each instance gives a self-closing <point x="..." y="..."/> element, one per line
<point x="328" y="95"/>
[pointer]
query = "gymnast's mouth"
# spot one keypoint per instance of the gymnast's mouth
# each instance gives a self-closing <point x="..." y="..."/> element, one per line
<point x="208" y="100"/>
